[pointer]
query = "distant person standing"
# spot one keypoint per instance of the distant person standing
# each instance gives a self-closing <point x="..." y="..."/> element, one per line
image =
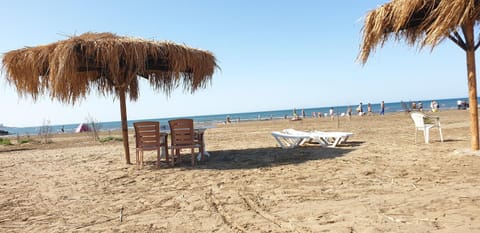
<point x="303" y="113"/>
<point x="382" y="108"/>
<point x="332" y="113"/>
<point x="369" y="109"/>
<point x="420" y="106"/>
<point x="349" y="112"/>
<point x="465" y="104"/>
<point x="295" y="115"/>
<point x="360" y="109"/>
<point x="434" y="106"/>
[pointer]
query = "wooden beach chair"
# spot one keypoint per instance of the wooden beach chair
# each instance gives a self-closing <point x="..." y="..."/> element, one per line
<point x="148" y="137"/>
<point x="183" y="136"/>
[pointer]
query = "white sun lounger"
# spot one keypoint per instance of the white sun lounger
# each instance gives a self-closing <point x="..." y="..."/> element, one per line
<point x="331" y="139"/>
<point x="287" y="141"/>
<point x="327" y="139"/>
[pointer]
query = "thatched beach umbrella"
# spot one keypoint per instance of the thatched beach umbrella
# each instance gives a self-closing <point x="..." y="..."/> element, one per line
<point x="69" y="69"/>
<point x="426" y="23"/>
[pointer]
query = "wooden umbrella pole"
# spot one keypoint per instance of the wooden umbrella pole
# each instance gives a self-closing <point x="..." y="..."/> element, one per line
<point x="472" y="96"/>
<point x="472" y="83"/>
<point x="123" y="112"/>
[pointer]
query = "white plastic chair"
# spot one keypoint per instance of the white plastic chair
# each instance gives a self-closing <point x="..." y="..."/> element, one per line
<point x="425" y="123"/>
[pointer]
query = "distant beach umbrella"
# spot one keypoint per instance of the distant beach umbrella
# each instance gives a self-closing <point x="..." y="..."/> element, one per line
<point x="69" y="69"/>
<point x="426" y="23"/>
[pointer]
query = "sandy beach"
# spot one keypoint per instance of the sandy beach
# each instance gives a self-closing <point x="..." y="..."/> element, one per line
<point x="380" y="181"/>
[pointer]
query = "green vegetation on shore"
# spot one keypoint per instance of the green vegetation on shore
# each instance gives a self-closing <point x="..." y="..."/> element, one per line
<point x="5" y="141"/>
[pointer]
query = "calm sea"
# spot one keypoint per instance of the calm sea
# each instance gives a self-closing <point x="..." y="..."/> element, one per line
<point x="212" y="120"/>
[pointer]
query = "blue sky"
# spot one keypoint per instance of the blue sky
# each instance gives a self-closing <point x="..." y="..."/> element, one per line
<point x="273" y="55"/>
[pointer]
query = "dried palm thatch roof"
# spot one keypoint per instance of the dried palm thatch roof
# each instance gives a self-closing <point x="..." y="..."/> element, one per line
<point x="427" y="22"/>
<point x="419" y="22"/>
<point x="71" y="68"/>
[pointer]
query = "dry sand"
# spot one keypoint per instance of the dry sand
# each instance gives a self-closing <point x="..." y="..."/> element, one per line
<point x="379" y="182"/>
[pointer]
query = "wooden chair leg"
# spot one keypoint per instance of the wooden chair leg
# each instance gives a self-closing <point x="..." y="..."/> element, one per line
<point x="167" y="157"/>
<point x="193" y="156"/>
<point x="141" y="159"/>
<point x="173" y="157"/>
<point x="158" y="157"/>
<point x="137" y="157"/>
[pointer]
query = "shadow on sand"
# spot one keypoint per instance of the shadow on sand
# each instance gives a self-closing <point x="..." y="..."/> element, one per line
<point x="267" y="157"/>
<point x="13" y="149"/>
